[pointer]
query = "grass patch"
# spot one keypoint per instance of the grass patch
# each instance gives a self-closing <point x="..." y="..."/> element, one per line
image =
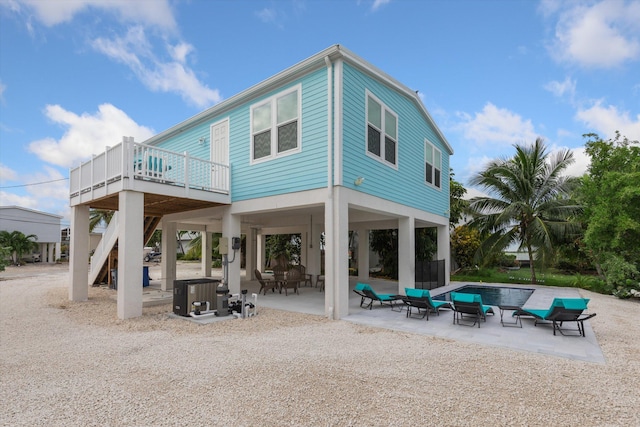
<point x="548" y="277"/>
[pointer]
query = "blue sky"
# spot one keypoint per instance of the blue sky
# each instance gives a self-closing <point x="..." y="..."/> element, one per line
<point x="77" y="75"/>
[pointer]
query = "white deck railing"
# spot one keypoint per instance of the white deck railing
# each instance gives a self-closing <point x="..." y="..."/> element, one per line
<point x="133" y="160"/>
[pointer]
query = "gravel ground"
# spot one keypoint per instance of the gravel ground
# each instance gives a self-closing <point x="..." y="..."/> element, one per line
<point x="76" y="364"/>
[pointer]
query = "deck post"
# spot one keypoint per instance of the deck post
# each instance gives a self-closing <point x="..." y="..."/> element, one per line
<point x="78" y="258"/>
<point x="205" y="256"/>
<point x="363" y="254"/>
<point x="231" y="228"/>
<point x="169" y="248"/>
<point x="406" y="253"/>
<point x="130" y="250"/>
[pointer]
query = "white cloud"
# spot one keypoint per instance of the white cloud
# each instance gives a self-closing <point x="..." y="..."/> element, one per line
<point x="580" y="164"/>
<point x="377" y="4"/>
<point x="603" y="34"/>
<point x="559" y="89"/>
<point x="11" y="199"/>
<point x="155" y="13"/>
<point x="2" y="89"/>
<point x="7" y="174"/>
<point x="55" y="189"/>
<point x="495" y="125"/>
<point x="86" y="134"/>
<point x="180" y="51"/>
<point x="605" y="120"/>
<point x="135" y="51"/>
<point x="267" y="15"/>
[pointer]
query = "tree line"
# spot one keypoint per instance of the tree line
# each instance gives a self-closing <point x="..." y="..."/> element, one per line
<point x="591" y="221"/>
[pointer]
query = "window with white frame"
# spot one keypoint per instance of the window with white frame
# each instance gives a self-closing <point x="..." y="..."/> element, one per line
<point x="382" y="131"/>
<point x="433" y="164"/>
<point x="275" y="125"/>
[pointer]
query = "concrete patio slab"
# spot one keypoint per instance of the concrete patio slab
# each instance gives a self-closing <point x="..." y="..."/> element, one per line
<point x="529" y="338"/>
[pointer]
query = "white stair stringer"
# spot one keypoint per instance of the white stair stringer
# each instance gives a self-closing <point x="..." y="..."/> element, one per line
<point x="101" y="254"/>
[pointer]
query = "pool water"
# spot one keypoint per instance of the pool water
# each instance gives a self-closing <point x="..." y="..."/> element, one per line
<point x="493" y="295"/>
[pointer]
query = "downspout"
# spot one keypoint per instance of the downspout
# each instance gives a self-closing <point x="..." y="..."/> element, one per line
<point x="327" y="61"/>
<point x="328" y="219"/>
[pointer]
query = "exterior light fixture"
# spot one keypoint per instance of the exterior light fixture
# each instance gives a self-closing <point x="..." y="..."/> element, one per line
<point x="359" y="180"/>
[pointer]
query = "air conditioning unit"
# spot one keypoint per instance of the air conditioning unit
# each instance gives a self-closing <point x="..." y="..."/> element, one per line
<point x="186" y="292"/>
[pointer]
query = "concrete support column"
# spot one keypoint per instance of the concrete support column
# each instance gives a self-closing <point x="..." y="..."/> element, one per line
<point x="51" y="254"/>
<point x="130" y="247"/>
<point x="304" y="244"/>
<point x="314" y="253"/>
<point x="337" y="257"/>
<point x="363" y="254"/>
<point x="231" y="228"/>
<point x="59" y="251"/>
<point x="250" y="254"/>
<point x="79" y="254"/>
<point x="205" y="255"/>
<point x="169" y="247"/>
<point x="260" y="251"/>
<point x="406" y="254"/>
<point x="444" y="251"/>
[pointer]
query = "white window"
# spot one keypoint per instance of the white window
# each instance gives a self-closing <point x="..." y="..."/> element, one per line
<point x="382" y="131"/>
<point x="433" y="164"/>
<point x="275" y="125"/>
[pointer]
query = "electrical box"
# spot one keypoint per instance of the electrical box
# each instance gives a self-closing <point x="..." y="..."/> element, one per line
<point x="235" y="243"/>
<point x="223" y="245"/>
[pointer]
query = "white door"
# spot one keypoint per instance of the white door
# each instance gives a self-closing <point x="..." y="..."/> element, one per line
<point x="220" y="155"/>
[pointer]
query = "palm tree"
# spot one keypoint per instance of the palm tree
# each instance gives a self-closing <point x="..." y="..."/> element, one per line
<point x="529" y="201"/>
<point x="99" y="216"/>
<point x="18" y="243"/>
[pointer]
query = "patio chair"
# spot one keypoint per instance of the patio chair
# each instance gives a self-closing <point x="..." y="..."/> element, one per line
<point x="469" y="305"/>
<point x="366" y="292"/>
<point x="306" y="278"/>
<point x="421" y="300"/>
<point x="279" y="273"/>
<point x="265" y="284"/>
<point x="292" y="281"/>
<point x="561" y="310"/>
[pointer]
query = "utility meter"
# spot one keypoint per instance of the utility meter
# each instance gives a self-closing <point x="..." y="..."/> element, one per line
<point x="235" y="243"/>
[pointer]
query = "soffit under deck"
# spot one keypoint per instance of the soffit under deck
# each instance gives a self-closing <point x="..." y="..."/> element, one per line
<point x="156" y="204"/>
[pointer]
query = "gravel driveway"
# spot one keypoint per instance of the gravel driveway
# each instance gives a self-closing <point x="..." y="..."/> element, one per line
<point x="76" y="364"/>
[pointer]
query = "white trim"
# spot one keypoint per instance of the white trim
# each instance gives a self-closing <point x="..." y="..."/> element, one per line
<point x="213" y="125"/>
<point x="272" y="101"/>
<point x="330" y="121"/>
<point x="337" y="123"/>
<point x="433" y="165"/>
<point x="383" y="109"/>
<point x="290" y="74"/>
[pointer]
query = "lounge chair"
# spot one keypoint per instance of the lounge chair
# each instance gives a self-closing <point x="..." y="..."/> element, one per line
<point x="264" y="283"/>
<point x="561" y="310"/>
<point x="366" y="292"/>
<point x="421" y="299"/>
<point x="469" y="305"/>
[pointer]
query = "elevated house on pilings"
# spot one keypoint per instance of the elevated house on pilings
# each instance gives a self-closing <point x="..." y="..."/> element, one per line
<point x="329" y="145"/>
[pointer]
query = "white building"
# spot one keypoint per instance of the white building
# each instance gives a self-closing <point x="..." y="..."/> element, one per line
<point x="44" y="225"/>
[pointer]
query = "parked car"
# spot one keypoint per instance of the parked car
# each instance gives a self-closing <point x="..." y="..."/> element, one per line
<point x="34" y="257"/>
<point x="153" y="256"/>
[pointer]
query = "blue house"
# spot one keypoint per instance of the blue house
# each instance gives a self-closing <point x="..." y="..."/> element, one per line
<point x="330" y="145"/>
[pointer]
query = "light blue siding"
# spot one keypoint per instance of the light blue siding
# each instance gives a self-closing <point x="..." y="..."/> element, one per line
<point x="296" y="172"/>
<point x="406" y="184"/>
<point x="301" y="171"/>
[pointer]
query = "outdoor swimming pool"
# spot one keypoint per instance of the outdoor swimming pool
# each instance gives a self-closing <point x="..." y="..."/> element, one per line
<point x="493" y="295"/>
